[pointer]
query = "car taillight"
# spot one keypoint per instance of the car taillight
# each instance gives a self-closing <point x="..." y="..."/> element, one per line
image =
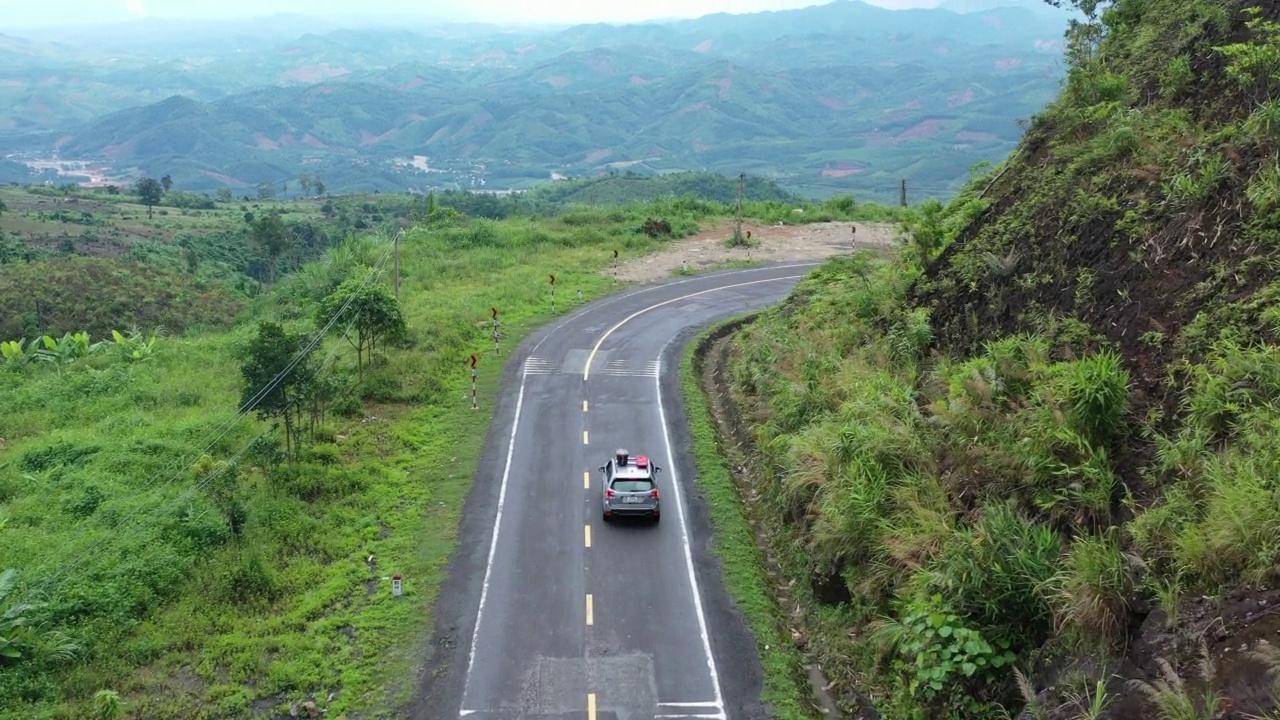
<point x="609" y="493"/>
<point x="654" y="493"/>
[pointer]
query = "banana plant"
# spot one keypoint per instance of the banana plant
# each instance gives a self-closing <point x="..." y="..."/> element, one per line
<point x="17" y="352"/>
<point x="71" y="346"/>
<point x="135" y="346"/>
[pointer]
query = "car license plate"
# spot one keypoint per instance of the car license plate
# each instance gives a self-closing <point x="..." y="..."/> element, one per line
<point x="631" y="499"/>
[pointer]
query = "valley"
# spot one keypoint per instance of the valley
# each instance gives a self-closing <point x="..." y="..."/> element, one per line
<point x="873" y="98"/>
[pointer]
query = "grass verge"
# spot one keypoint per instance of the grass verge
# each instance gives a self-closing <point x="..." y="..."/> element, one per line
<point x="745" y="576"/>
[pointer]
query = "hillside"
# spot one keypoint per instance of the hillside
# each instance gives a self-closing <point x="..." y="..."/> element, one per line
<point x="844" y="97"/>
<point x="1043" y="440"/>
<point x="186" y="557"/>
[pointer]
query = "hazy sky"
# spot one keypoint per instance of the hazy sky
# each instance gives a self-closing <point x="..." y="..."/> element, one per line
<point x="15" y="14"/>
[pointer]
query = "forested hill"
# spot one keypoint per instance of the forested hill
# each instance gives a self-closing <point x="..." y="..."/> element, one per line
<point x="843" y="97"/>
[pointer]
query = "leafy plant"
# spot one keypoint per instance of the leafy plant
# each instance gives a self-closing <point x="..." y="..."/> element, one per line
<point x="134" y="347"/>
<point x="20" y="638"/>
<point x="373" y="311"/>
<point x="934" y="648"/>
<point x="107" y="705"/>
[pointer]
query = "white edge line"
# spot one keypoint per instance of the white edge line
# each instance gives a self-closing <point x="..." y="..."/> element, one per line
<point x="493" y="543"/>
<point x="684" y="540"/>
<point x="586" y="370"/>
<point x="706" y="703"/>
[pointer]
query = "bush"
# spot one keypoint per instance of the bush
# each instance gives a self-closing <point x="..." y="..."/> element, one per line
<point x="249" y="580"/>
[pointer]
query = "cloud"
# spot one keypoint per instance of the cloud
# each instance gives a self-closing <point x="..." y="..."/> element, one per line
<point x="135" y="7"/>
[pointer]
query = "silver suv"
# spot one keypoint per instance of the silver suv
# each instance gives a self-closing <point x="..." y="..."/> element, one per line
<point x="630" y="487"/>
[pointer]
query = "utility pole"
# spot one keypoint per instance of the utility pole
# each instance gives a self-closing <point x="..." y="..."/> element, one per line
<point x="904" y="192"/>
<point x="742" y="179"/>
<point x="399" y="235"/>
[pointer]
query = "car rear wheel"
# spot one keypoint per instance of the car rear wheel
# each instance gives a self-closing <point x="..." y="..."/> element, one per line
<point x="656" y="517"/>
<point x="607" y="517"/>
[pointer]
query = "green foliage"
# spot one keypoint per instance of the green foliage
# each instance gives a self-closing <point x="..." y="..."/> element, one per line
<point x="782" y="115"/>
<point x="107" y="705"/>
<point x="1053" y="415"/>
<point x="22" y="639"/>
<point x="278" y="371"/>
<point x="149" y="192"/>
<point x="1255" y="64"/>
<point x="371" y="309"/>
<point x="179" y="563"/>
<point x="935" y="648"/>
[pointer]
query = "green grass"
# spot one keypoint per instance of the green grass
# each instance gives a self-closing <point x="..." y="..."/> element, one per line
<point x="1000" y="430"/>
<point x="185" y="619"/>
<point x="745" y="575"/>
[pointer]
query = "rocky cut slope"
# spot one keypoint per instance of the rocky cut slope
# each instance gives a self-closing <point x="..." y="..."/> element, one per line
<point x="1049" y="443"/>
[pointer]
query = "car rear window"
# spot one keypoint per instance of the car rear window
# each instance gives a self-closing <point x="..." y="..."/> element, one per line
<point x="632" y="485"/>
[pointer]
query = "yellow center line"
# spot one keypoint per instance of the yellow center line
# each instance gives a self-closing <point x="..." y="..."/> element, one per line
<point x="591" y="706"/>
<point x="584" y="406"/>
<point x="584" y="437"/>
<point x="587" y="530"/>
<point x="590" y="611"/>
<point x="586" y="480"/>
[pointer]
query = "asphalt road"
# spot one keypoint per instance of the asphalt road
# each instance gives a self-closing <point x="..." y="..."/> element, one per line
<point x="548" y="611"/>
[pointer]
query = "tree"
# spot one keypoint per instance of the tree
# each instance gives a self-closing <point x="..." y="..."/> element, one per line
<point x="266" y="357"/>
<point x="167" y="182"/>
<point x="149" y="192"/>
<point x="374" y="312"/>
<point x="3" y="207"/>
<point x="318" y="186"/>
<point x="266" y="191"/>
<point x="271" y="240"/>
<point x="224" y="194"/>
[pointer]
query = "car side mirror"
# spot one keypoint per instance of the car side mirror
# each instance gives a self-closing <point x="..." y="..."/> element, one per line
<point x="602" y="468"/>
<point x="656" y="469"/>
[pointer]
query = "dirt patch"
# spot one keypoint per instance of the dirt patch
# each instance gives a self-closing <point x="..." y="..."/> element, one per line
<point x="786" y="243"/>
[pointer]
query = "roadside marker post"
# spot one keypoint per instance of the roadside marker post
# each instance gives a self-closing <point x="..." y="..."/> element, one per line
<point x="553" y="294"/>
<point x="615" y="267"/>
<point x="474" y="359"/>
<point x="496" y="349"/>
<point x="853" y="238"/>
<point x="397" y="586"/>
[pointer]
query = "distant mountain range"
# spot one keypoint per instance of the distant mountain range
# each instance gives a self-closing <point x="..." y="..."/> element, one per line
<point x="844" y="97"/>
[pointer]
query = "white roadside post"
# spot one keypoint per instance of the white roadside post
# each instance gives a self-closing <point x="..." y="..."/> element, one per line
<point x="474" y="359"/>
<point x="496" y="349"/>
<point x="397" y="586"/>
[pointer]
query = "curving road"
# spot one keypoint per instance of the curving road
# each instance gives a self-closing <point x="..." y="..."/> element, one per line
<point x="550" y="613"/>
